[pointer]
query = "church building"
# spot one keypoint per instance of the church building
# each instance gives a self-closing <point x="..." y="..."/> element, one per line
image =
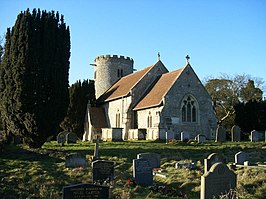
<point x="148" y="103"/>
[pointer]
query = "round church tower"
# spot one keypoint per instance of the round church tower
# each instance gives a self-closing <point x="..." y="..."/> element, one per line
<point x="108" y="69"/>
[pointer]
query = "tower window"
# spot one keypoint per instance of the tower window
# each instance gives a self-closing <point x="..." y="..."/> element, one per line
<point x="119" y="72"/>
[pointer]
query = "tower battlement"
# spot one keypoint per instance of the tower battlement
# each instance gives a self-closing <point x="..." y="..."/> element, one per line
<point x="113" y="57"/>
<point x="108" y="69"/>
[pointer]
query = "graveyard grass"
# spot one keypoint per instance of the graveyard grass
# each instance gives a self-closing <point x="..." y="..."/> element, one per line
<point x="41" y="173"/>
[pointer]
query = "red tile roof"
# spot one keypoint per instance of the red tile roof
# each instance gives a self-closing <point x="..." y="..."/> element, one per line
<point x="123" y="86"/>
<point x="159" y="90"/>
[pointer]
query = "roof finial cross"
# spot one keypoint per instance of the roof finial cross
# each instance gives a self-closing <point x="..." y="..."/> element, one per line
<point x="187" y="57"/>
<point x="159" y="56"/>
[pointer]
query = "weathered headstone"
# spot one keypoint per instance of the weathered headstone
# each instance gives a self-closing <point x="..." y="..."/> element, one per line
<point x="255" y="136"/>
<point x="142" y="172"/>
<point x="76" y="160"/>
<point x="84" y="191"/>
<point x="212" y="159"/>
<point x="71" y="138"/>
<point x="235" y="133"/>
<point x="154" y="159"/>
<point x="219" y="180"/>
<point x="102" y="170"/>
<point x="185" y="136"/>
<point x="61" y="137"/>
<point x="201" y="138"/>
<point x="220" y="134"/>
<point x="241" y="157"/>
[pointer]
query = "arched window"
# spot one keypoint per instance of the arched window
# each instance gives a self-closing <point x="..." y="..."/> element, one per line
<point x="149" y="120"/>
<point x="189" y="109"/>
<point x="117" y="122"/>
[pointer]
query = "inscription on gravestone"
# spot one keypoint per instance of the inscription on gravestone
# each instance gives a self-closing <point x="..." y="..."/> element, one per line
<point x="102" y="170"/>
<point x="142" y="172"/>
<point x="154" y="159"/>
<point x="85" y="191"/>
<point x="219" y="180"/>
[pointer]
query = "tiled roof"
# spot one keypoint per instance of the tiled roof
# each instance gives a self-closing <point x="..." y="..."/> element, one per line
<point x="155" y="96"/>
<point x="123" y="86"/>
<point x="97" y="117"/>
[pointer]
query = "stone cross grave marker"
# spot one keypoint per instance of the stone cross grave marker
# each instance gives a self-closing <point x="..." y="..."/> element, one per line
<point x="212" y="159"/>
<point x="102" y="171"/>
<point x="90" y="191"/>
<point x="76" y="160"/>
<point x="241" y="157"/>
<point x="142" y="172"/>
<point x="201" y="138"/>
<point x="71" y="138"/>
<point x="220" y="134"/>
<point x="235" y="133"/>
<point x="219" y="180"/>
<point x="255" y="136"/>
<point x="154" y="159"/>
<point x="185" y="136"/>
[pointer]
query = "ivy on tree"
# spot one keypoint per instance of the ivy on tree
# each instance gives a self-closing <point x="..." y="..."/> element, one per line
<point x="34" y="76"/>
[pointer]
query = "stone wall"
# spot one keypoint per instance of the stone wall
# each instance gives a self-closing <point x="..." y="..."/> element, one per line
<point x="189" y="84"/>
<point x="106" y="71"/>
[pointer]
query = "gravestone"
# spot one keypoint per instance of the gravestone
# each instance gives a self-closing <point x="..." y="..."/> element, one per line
<point x="255" y="137"/>
<point x="90" y="191"/>
<point x="212" y="159"/>
<point x="241" y="157"/>
<point x="102" y="170"/>
<point x="235" y="133"/>
<point x="154" y="159"/>
<point x="61" y="137"/>
<point x="201" y="138"/>
<point x="76" y="160"/>
<point x="142" y="172"/>
<point x="219" y="180"/>
<point x="71" y="138"/>
<point x="220" y="134"/>
<point x="185" y="136"/>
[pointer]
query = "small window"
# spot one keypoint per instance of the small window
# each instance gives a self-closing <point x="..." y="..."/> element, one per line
<point x="149" y="120"/>
<point x="117" y="119"/>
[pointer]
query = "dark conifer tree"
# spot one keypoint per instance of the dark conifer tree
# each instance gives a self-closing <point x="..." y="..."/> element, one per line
<point x="79" y="94"/>
<point x="34" y="76"/>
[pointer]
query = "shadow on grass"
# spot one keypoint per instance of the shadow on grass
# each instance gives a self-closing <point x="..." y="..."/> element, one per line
<point x="32" y="173"/>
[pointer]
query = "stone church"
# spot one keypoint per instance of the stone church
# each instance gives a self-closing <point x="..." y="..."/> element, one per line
<point x="148" y="103"/>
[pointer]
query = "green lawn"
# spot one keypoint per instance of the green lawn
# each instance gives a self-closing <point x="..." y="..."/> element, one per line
<point x="40" y="173"/>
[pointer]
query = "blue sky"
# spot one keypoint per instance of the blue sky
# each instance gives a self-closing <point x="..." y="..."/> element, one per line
<point x="220" y="36"/>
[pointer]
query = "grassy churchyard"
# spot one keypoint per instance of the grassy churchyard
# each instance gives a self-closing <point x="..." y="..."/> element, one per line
<point x="41" y="173"/>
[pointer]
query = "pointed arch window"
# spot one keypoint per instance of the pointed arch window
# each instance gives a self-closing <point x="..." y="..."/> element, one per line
<point x="149" y="120"/>
<point x="117" y="122"/>
<point x="189" y="109"/>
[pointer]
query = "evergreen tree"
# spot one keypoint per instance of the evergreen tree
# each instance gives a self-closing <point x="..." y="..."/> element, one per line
<point x="251" y="115"/>
<point x="34" y="76"/>
<point x="79" y="95"/>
